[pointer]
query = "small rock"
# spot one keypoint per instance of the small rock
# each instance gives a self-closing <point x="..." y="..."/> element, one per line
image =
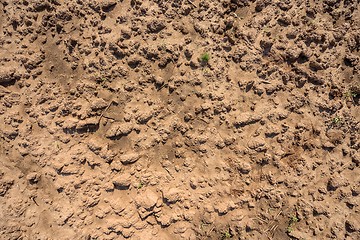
<point x="98" y="103"/>
<point x="335" y="136"/>
<point x="251" y="204"/>
<point x="257" y="144"/>
<point x="251" y="226"/>
<point x="144" y="117"/>
<point x="181" y="227"/>
<point x="328" y="144"/>
<point x="246" y="119"/>
<point x="129" y="158"/>
<point x="221" y="208"/>
<point x="94" y="145"/>
<point x="116" y="165"/>
<point x="100" y="213"/>
<point x="356" y="158"/>
<point x="209" y="208"/>
<point x="122" y="181"/>
<point x="70" y="169"/>
<point x="107" y="154"/>
<point x="244" y="167"/>
<point x="319" y="209"/>
<point x="140" y="225"/>
<point x="118" y="130"/>
<point x="156" y="26"/>
<point x="205" y="106"/>
<point x="188" y="53"/>
<point x="272" y="130"/>
<point x="117" y="206"/>
<point x="134" y="62"/>
<point x="172" y="195"/>
<point x="164" y="220"/>
<point x="33" y="177"/>
<point x="352" y="225"/>
<point x="159" y="81"/>
<point x="109" y="186"/>
<point x="70" y="123"/>
<point x="3" y="91"/>
<point x="7" y="74"/>
<point x="108" y="5"/>
<point x="296" y="234"/>
<point x="193" y="183"/>
<point x="87" y="124"/>
<point x="127" y="232"/>
<point x="335" y="182"/>
<point x="64" y="214"/>
<point x="147" y="200"/>
<point x="5" y="185"/>
<point x="194" y="64"/>
<point x="316" y="66"/>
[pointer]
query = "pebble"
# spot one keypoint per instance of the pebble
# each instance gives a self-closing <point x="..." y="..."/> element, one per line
<point x="122" y="181"/>
<point x="129" y="158"/>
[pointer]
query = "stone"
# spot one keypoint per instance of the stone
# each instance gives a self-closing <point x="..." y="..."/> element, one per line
<point x="328" y="144"/>
<point x="119" y="130"/>
<point x="4" y="91"/>
<point x="180" y="227"/>
<point x="296" y="234"/>
<point x="155" y="26"/>
<point x="246" y="119"/>
<point x="147" y="199"/>
<point x="257" y="144"/>
<point x="7" y="74"/>
<point x="129" y="158"/>
<point x="64" y="214"/>
<point x="127" y="232"/>
<point x="117" y="206"/>
<point x="108" y="5"/>
<point x="193" y="183"/>
<point x="33" y="177"/>
<point x="87" y="124"/>
<point x="221" y="208"/>
<point x="356" y="158"/>
<point x="70" y="169"/>
<point x="244" y="167"/>
<point x="5" y="185"/>
<point x="335" y="182"/>
<point x="144" y="117"/>
<point x="94" y="145"/>
<point x="335" y="136"/>
<point x="122" y="181"/>
<point x="116" y="165"/>
<point x="98" y="103"/>
<point x="352" y="225"/>
<point x="164" y="220"/>
<point x="172" y="195"/>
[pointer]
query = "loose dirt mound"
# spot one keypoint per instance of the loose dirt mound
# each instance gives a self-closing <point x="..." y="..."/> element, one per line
<point x="179" y="119"/>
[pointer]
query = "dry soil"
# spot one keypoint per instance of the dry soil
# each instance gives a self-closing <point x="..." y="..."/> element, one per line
<point x="179" y="119"/>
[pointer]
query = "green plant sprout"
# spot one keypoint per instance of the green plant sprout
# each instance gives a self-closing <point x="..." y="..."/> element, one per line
<point x="205" y="57"/>
<point x="140" y="185"/>
<point x="337" y="120"/>
<point x="350" y="95"/>
<point x="292" y="221"/>
<point x="226" y="235"/>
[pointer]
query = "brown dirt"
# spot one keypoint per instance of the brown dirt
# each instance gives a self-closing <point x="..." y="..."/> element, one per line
<point x="112" y="127"/>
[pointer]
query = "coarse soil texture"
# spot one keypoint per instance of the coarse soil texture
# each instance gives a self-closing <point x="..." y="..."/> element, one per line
<point x="179" y="119"/>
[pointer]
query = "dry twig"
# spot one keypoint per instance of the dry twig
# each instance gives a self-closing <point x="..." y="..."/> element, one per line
<point x="189" y="1"/>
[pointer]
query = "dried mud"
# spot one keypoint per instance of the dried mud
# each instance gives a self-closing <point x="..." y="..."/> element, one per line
<point x="179" y="119"/>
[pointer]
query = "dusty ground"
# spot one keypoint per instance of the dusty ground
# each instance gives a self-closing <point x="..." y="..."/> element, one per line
<point x="178" y="119"/>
